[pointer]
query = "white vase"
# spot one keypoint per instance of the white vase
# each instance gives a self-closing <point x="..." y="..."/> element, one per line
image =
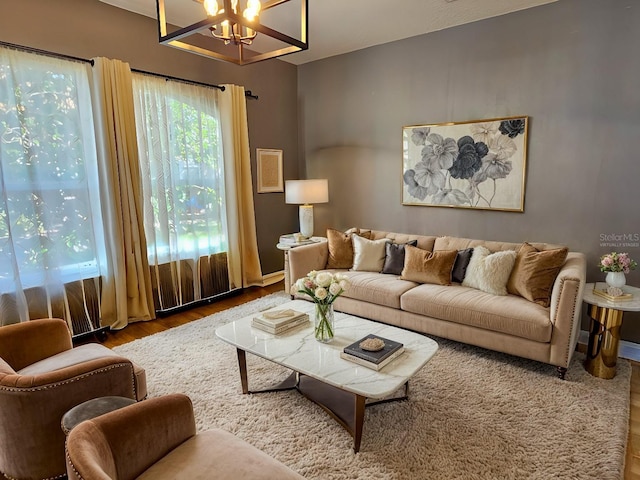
<point x="616" y="279"/>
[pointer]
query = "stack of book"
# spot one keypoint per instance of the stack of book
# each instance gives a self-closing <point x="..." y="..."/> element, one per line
<point x="372" y="359"/>
<point x="278" y="321"/>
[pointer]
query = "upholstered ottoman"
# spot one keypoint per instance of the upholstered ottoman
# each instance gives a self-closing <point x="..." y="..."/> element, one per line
<point x="91" y="409"/>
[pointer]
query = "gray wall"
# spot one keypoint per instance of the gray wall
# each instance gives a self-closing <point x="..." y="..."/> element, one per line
<point x="573" y="67"/>
<point x="89" y="28"/>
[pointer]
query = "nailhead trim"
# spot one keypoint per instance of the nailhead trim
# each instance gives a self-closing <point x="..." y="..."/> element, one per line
<point x="573" y="315"/>
<point x="71" y="380"/>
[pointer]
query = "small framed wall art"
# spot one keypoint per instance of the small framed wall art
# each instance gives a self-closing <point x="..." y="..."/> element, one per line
<point x="478" y="165"/>
<point x="269" y="170"/>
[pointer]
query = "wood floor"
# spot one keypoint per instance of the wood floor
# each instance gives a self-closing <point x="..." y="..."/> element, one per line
<point x="142" y="329"/>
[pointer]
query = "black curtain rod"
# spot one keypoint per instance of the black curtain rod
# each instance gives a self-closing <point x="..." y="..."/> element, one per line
<point x="247" y="93"/>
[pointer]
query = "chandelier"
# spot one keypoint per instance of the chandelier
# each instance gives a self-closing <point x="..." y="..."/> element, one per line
<point x="230" y="29"/>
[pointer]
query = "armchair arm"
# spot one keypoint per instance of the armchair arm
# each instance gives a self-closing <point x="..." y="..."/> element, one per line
<point x="33" y="405"/>
<point x="22" y="344"/>
<point x="151" y="429"/>
<point x="304" y="259"/>
<point x="566" y="304"/>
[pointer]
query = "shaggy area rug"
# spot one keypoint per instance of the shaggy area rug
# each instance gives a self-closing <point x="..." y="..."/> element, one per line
<point x="471" y="414"/>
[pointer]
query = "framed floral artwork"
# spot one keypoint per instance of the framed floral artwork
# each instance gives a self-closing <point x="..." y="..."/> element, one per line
<point x="479" y="164"/>
<point x="269" y="170"/>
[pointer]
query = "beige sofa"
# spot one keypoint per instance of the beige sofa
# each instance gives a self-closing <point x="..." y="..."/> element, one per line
<point x="509" y="323"/>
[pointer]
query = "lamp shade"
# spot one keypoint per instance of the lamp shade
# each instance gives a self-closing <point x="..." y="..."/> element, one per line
<point x="307" y="191"/>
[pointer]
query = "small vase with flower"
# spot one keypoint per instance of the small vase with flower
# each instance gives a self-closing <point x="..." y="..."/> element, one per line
<point x="616" y="265"/>
<point x="323" y="288"/>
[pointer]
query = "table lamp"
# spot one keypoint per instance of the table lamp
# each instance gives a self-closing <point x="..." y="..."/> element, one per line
<point x="305" y="193"/>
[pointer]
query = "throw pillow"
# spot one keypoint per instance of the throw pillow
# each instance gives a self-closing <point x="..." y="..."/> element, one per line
<point x="422" y="266"/>
<point x="534" y="273"/>
<point x="368" y="255"/>
<point x="488" y="271"/>
<point x="340" y="249"/>
<point x="394" y="257"/>
<point x="460" y="266"/>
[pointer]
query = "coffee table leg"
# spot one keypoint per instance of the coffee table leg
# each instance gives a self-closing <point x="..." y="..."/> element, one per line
<point x="360" y="402"/>
<point x="242" y="364"/>
<point x="288" y="383"/>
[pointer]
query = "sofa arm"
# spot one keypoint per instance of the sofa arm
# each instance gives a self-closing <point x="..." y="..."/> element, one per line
<point x="301" y="260"/>
<point x="22" y="344"/>
<point x="566" y="305"/>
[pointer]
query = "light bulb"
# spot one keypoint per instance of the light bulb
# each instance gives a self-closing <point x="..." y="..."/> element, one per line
<point x="249" y="14"/>
<point x="254" y="5"/>
<point x="211" y="7"/>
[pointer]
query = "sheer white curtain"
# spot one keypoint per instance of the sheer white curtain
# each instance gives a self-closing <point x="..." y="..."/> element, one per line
<point x="180" y="152"/>
<point x="50" y="224"/>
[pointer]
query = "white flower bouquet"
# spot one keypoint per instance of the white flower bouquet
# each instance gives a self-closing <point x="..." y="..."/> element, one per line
<point x="323" y="288"/>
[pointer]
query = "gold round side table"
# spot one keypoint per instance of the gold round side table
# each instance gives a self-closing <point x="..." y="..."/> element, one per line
<point x="604" y="330"/>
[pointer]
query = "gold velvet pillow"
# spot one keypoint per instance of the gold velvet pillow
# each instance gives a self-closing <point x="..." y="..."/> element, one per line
<point x="422" y="266"/>
<point x="534" y="273"/>
<point x="340" y="249"/>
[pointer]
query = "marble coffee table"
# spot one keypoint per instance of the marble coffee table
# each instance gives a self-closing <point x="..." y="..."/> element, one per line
<point x="340" y="387"/>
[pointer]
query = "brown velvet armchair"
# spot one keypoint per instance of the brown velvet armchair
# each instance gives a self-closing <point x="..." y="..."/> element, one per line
<point x="41" y="377"/>
<point x="156" y="440"/>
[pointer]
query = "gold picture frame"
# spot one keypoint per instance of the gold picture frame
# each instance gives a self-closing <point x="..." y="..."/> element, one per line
<point x="478" y="165"/>
<point x="269" y="162"/>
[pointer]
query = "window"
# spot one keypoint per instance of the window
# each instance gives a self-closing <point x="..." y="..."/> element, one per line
<point x="181" y="163"/>
<point x="48" y="216"/>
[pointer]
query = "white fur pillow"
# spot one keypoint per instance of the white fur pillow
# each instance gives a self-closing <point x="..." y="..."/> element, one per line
<point x="488" y="271"/>
<point x="368" y="255"/>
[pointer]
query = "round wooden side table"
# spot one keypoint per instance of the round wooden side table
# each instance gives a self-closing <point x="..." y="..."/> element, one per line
<point x="604" y="331"/>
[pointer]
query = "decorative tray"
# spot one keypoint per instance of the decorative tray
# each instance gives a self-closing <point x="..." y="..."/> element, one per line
<point x="603" y="292"/>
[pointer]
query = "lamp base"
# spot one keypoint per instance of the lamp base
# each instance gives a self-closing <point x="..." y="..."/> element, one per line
<point x="306" y="220"/>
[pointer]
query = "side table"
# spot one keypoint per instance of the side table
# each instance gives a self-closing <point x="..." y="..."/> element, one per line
<point x="288" y="246"/>
<point x="604" y="331"/>
<point x="91" y="409"/>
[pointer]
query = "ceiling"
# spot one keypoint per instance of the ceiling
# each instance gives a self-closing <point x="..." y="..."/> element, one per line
<point x="342" y="26"/>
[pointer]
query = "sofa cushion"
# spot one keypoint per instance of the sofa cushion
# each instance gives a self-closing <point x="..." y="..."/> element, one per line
<point x="377" y="288"/>
<point x="460" y="266"/>
<point x="488" y="271"/>
<point x="368" y="255"/>
<point x="68" y="358"/>
<point x="81" y="354"/>
<point x="394" y="257"/>
<point x="421" y="266"/>
<point x="217" y="454"/>
<point x="508" y="314"/>
<point x="535" y="272"/>
<point x="340" y="249"/>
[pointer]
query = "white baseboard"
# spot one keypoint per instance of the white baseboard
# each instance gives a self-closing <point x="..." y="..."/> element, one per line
<point x="628" y="350"/>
